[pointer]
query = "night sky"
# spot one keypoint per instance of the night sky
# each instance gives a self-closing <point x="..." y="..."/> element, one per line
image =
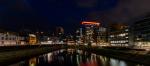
<point x="47" y="14"/>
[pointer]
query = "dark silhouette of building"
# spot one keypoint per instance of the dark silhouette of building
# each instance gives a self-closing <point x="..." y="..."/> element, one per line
<point x="142" y="33"/>
<point x="59" y="31"/>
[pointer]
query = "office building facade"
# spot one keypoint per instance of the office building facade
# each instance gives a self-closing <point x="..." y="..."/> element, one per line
<point x="119" y="35"/>
<point x="142" y="33"/>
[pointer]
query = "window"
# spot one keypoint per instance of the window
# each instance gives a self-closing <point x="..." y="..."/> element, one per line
<point x="126" y="29"/>
<point x="6" y="38"/>
<point x="2" y="38"/>
<point x="2" y="42"/>
<point x="9" y="38"/>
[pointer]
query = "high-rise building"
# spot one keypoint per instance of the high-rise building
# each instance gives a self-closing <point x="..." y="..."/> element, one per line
<point x="32" y="39"/>
<point x="89" y="35"/>
<point x="79" y="36"/>
<point x="59" y="33"/>
<point x="101" y="35"/>
<point x="119" y="35"/>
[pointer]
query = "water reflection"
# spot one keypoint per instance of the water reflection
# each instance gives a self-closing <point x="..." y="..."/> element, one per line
<point x="71" y="57"/>
<point x="32" y="62"/>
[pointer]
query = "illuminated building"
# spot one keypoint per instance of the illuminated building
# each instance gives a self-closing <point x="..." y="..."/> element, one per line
<point x="119" y="35"/>
<point x="33" y="62"/>
<point x="79" y="36"/>
<point x="32" y="39"/>
<point x="10" y="38"/>
<point x="101" y="35"/>
<point x="89" y="32"/>
<point x="59" y="31"/>
<point x="142" y="33"/>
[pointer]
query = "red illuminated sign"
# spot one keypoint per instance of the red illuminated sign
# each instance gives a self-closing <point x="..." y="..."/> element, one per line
<point x="90" y="23"/>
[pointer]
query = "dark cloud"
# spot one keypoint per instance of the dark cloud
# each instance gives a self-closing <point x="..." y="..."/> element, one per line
<point x="87" y="3"/>
<point x="69" y="13"/>
<point x="127" y="10"/>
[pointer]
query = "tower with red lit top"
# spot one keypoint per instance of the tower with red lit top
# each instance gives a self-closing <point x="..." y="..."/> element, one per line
<point x="90" y="35"/>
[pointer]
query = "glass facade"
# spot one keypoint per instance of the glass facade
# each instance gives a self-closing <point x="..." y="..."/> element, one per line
<point x="142" y="33"/>
<point x="119" y="35"/>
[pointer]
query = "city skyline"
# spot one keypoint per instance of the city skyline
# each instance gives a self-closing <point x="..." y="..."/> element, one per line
<point x="74" y="33"/>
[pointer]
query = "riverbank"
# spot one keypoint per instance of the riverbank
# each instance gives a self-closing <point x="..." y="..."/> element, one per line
<point x="10" y="57"/>
<point x="141" y="57"/>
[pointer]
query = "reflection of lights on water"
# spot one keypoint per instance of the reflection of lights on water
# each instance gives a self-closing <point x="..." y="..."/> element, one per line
<point x="104" y="60"/>
<point x="55" y="53"/>
<point x="114" y="62"/>
<point x="90" y="61"/>
<point x="45" y="57"/>
<point x="32" y="62"/>
<point x="80" y="57"/>
<point x="49" y="57"/>
<point x="139" y="65"/>
<point x="60" y="58"/>
<point x="77" y="58"/>
<point x="84" y="59"/>
<point x="122" y="63"/>
<point x="71" y="58"/>
<point x="93" y="57"/>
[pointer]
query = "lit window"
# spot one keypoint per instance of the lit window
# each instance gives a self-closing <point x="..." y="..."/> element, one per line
<point x="123" y="34"/>
<point x="126" y="29"/>
<point x="111" y="36"/>
<point x="127" y="37"/>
